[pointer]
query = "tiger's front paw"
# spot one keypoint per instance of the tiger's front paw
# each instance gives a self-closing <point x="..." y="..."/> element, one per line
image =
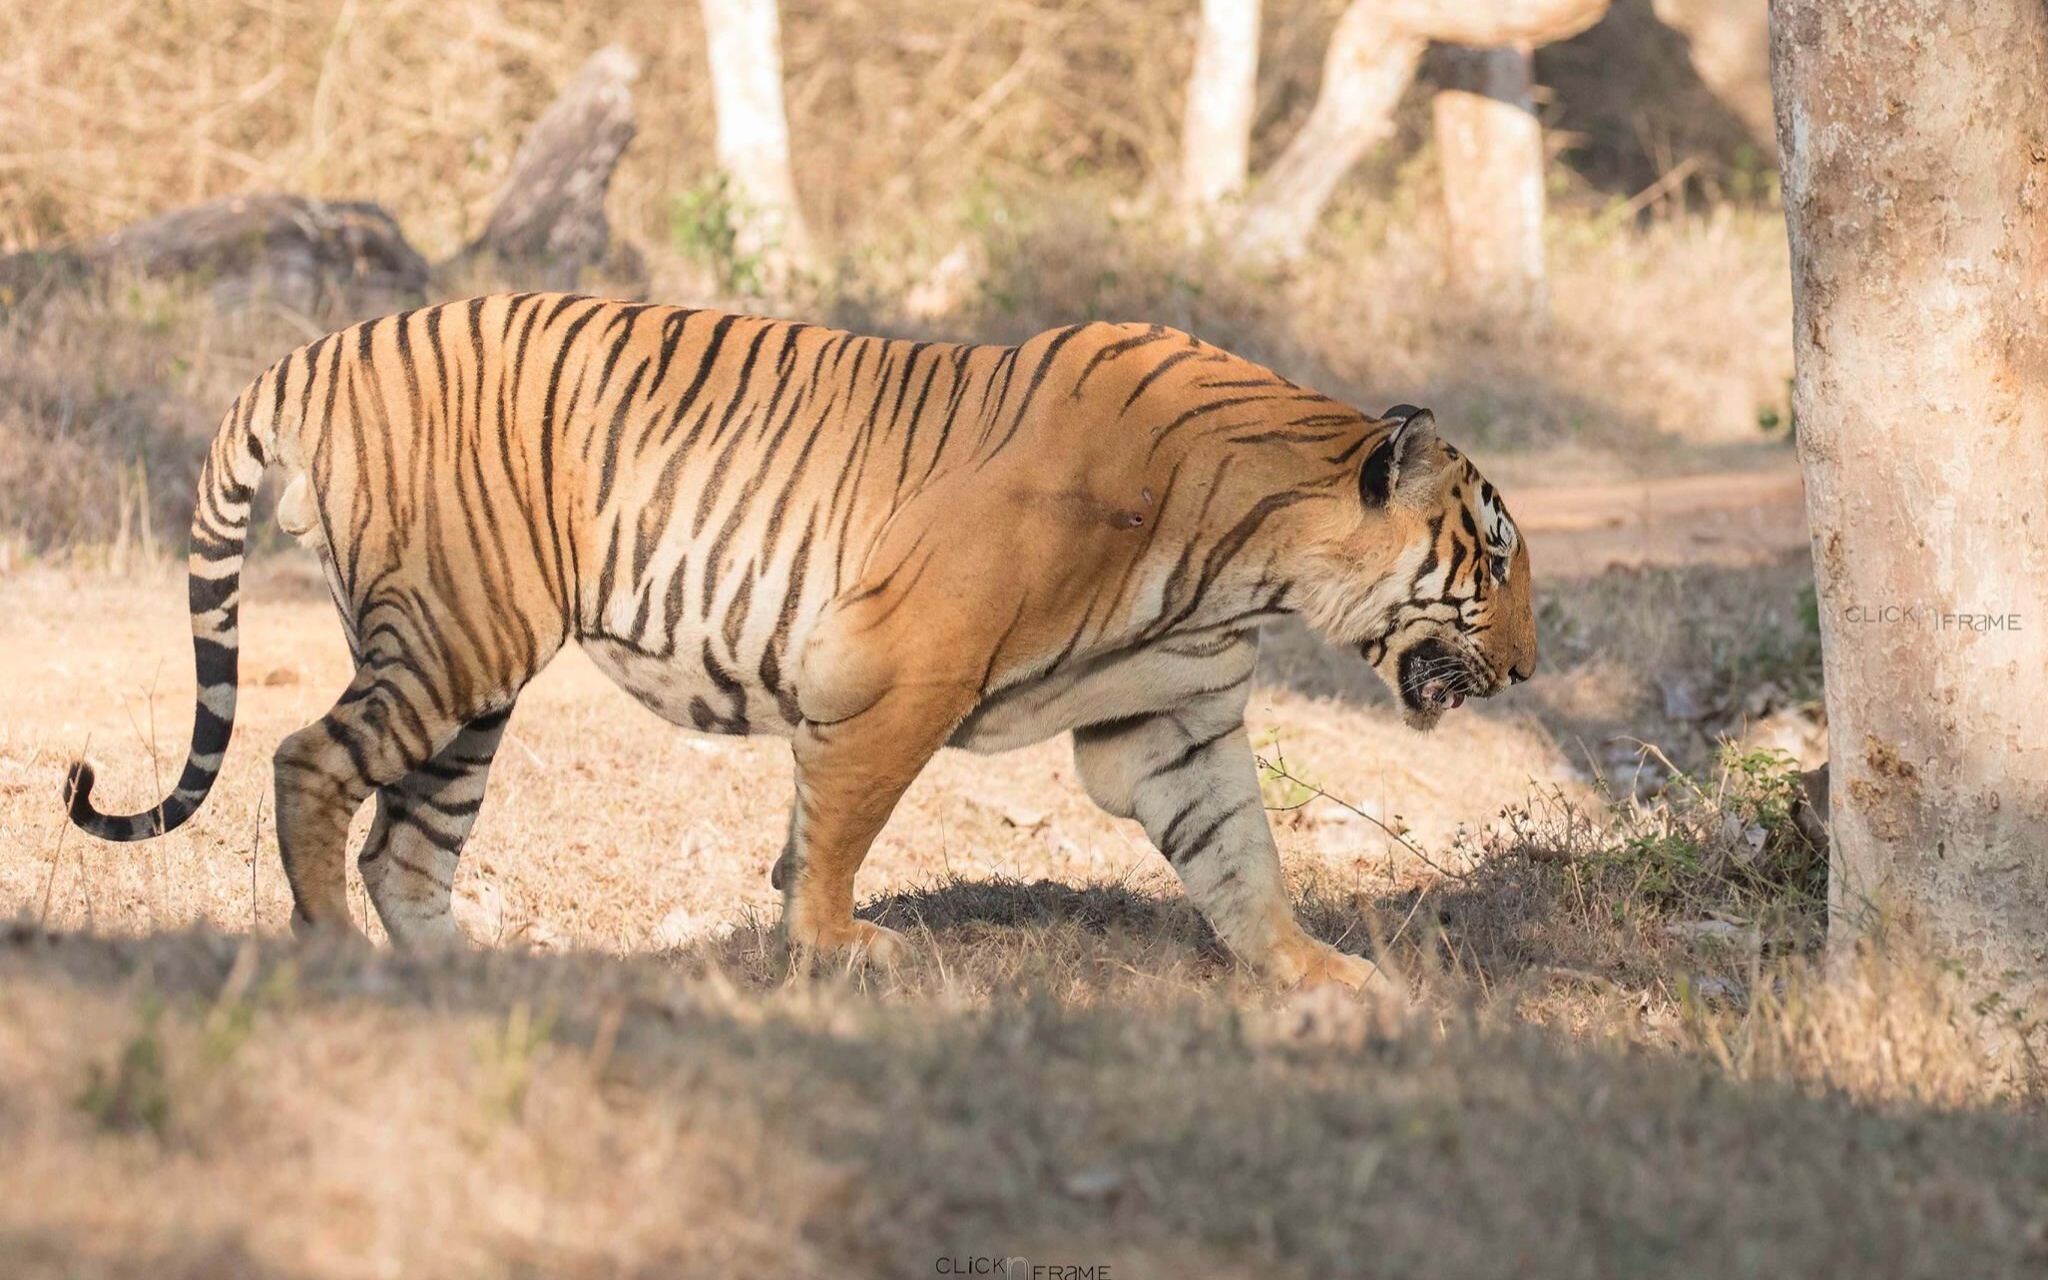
<point x="852" y="943"/>
<point x="1304" y="964"/>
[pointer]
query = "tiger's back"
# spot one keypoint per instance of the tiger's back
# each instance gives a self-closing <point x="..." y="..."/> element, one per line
<point x="681" y="490"/>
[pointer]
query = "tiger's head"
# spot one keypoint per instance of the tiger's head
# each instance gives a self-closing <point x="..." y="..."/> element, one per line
<point x="1425" y="571"/>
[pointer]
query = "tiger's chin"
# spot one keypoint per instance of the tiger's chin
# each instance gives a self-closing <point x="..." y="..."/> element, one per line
<point x="1431" y="678"/>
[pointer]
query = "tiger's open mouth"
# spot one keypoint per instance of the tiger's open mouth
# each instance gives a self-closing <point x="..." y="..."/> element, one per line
<point x="1435" y="678"/>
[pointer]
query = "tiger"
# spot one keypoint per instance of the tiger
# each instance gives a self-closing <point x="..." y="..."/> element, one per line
<point x="872" y="547"/>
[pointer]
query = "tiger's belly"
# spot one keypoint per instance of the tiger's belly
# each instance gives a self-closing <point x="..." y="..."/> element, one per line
<point x="693" y="688"/>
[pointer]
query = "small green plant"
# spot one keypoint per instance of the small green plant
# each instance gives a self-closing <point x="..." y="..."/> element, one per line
<point x="133" y="1094"/>
<point x="1771" y="422"/>
<point x="704" y="223"/>
<point x="1279" y="789"/>
<point x="232" y="1020"/>
<point x="1727" y="847"/>
<point x="506" y="1056"/>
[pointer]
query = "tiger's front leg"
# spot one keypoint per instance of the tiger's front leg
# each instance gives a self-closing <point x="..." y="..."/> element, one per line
<point x="1189" y="777"/>
<point x="878" y="706"/>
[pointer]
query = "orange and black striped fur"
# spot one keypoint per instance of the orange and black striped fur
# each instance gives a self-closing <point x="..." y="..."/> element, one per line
<point x="874" y="548"/>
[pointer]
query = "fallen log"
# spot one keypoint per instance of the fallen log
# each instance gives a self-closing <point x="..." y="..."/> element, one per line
<point x="320" y="256"/>
<point x="305" y="253"/>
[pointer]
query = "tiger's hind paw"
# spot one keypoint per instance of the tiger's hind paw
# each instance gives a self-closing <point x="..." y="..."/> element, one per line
<point x="854" y="944"/>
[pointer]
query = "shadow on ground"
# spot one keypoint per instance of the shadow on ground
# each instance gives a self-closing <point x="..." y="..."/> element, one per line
<point x="826" y="1128"/>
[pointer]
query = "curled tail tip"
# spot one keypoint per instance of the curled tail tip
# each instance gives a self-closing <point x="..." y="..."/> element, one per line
<point x="78" y="781"/>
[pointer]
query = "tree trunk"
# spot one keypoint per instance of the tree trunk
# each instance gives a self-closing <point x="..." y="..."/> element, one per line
<point x="1216" y="136"/>
<point x="550" y="212"/>
<point x="745" y="47"/>
<point x="1371" y="59"/>
<point x="1491" y="150"/>
<point x="1365" y="71"/>
<point x="1729" y="45"/>
<point x="1915" y="144"/>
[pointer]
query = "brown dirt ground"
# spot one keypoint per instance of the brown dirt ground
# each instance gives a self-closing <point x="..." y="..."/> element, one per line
<point x="607" y="828"/>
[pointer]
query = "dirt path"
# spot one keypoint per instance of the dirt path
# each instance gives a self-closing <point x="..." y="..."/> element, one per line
<point x="1730" y="519"/>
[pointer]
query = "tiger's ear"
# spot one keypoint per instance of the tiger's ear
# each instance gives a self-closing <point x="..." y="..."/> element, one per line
<point x="1403" y="460"/>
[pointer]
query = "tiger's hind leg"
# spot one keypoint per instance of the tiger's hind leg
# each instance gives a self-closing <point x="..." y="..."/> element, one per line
<point x="408" y="863"/>
<point x="391" y="721"/>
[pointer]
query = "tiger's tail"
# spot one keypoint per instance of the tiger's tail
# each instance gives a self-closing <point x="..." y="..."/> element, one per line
<point x="220" y="525"/>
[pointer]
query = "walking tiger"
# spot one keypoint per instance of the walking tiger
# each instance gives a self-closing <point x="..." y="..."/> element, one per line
<point x="872" y="547"/>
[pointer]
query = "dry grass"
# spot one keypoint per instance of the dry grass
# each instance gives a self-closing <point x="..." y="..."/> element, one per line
<point x="419" y="106"/>
<point x="1067" y="1069"/>
<point x="192" y="1106"/>
<point x="905" y="107"/>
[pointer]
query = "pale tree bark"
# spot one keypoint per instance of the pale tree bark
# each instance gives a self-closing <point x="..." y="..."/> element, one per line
<point x="1365" y="71"/>
<point x="1915" y="144"/>
<point x="744" y="42"/>
<point x="1729" y="45"/>
<point x="549" y="219"/>
<point x="1490" y="147"/>
<point x="1216" y="134"/>
<point x="1372" y="57"/>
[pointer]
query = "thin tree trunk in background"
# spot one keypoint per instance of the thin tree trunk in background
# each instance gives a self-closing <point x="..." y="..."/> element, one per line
<point x="1916" y="199"/>
<point x="1365" y="71"/>
<point x="1729" y="45"/>
<point x="744" y="43"/>
<point x="1372" y="57"/>
<point x="1216" y="135"/>
<point x="1490" y="146"/>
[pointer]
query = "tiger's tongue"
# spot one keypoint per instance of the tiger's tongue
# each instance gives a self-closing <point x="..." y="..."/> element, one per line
<point x="1445" y="699"/>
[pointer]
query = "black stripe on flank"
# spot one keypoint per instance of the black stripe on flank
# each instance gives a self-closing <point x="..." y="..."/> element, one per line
<point x="1045" y="364"/>
<point x="705" y="363"/>
<point x="1110" y="352"/>
<point x="1186" y="755"/>
<point x="1158" y="370"/>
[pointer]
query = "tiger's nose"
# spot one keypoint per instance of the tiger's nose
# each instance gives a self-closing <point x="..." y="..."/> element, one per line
<point x="1518" y="674"/>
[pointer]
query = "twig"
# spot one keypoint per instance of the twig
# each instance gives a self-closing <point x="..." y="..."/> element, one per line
<point x="57" y="857"/>
<point x="255" y="836"/>
<point x="50" y="882"/>
<point x="1649" y="195"/>
<point x="1315" y="792"/>
<point x="1586" y="977"/>
<point x="1409" y="919"/>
